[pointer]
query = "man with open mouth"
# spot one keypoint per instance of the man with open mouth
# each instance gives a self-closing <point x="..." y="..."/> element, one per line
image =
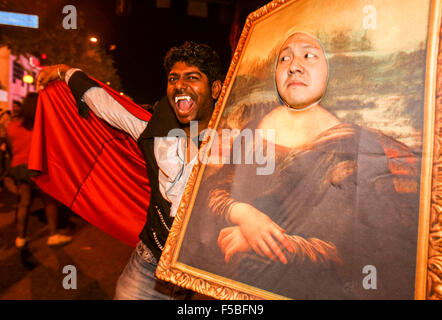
<point x="193" y="85"/>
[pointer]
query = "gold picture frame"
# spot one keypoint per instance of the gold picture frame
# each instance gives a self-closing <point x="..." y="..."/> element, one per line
<point x="258" y="34"/>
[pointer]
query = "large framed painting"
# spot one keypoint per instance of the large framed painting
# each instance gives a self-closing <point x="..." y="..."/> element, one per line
<point x="318" y="177"/>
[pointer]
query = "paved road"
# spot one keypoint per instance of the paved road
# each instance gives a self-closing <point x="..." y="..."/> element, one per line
<point x="38" y="274"/>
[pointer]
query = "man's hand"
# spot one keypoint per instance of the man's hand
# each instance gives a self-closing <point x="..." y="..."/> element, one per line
<point x="50" y="73"/>
<point x="261" y="232"/>
<point x="231" y="241"/>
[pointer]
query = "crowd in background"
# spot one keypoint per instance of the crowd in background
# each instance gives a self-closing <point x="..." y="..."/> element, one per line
<point x="15" y="140"/>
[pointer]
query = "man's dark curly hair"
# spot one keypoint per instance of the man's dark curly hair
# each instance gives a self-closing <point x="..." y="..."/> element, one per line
<point x="198" y="55"/>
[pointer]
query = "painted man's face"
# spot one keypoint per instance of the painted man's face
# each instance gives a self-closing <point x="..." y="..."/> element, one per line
<point x="190" y="94"/>
<point x="301" y="71"/>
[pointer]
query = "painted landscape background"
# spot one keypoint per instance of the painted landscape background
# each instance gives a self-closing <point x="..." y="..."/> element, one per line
<point x="374" y="83"/>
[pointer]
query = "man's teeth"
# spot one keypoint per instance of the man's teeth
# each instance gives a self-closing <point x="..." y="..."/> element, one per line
<point x="182" y="98"/>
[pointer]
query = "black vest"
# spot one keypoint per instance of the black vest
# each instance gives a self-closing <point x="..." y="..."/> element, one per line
<point x="158" y="221"/>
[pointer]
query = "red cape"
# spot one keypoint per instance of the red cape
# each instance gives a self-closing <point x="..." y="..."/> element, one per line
<point x="95" y="170"/>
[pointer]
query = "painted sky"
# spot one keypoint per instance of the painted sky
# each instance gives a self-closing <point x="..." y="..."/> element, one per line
<point x="400" y="24"/>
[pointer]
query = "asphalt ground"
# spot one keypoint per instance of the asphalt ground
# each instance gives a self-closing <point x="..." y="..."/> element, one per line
<point x="37" y="272"/>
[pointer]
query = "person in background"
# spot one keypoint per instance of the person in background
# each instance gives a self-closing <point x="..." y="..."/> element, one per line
<point x="5" y="118"/>
<point x="16" y="106"/>
<point x="19" y="136"/>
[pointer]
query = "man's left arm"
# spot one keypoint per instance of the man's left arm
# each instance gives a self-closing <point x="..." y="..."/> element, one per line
<point x="89" y="95"/>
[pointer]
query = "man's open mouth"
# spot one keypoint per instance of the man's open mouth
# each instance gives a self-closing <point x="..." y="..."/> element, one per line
<point x="184" y="103"/>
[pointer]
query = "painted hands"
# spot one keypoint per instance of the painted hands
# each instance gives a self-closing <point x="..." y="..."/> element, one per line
<point x="255" y="230"/>
<point x="231" y="241"/>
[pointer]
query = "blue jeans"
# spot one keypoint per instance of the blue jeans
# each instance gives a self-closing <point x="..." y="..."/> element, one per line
<point x="138" y="281"/>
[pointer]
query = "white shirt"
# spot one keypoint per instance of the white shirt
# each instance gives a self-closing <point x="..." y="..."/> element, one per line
<point x="169" y="151"/>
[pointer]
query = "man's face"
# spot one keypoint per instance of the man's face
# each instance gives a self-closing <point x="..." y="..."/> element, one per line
<point x="301" y="71"/>
<point x="190" y="94"/>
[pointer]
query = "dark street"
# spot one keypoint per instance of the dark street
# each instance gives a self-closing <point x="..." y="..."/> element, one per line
<point x="38" y="272"/>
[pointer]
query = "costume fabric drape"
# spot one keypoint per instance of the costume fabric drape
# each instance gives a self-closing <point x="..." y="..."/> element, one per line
<point x="95" y="170"/>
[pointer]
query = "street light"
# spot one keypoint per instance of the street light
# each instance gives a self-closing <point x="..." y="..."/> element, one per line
<point x="28" y="79"/>
<point x="93" y="39"/>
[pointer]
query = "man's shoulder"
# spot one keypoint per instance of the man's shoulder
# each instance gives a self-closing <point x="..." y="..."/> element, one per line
<point x="401" y="159"/>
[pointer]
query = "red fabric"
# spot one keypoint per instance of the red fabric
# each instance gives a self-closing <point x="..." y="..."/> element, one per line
<point x="20" y="140"/>
<point x="95" y="170"/>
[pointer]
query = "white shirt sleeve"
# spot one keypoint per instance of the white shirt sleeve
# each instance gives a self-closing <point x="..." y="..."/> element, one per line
<point x="108" y="109"/>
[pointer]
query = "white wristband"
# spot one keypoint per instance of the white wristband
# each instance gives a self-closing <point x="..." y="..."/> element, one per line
<point x="69" y="73"/>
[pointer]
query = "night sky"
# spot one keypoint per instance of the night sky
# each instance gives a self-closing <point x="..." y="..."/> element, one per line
<point x="144" y="35"/>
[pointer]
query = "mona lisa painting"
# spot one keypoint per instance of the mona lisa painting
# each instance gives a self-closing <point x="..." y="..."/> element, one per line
<point x="317" y="177"/>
